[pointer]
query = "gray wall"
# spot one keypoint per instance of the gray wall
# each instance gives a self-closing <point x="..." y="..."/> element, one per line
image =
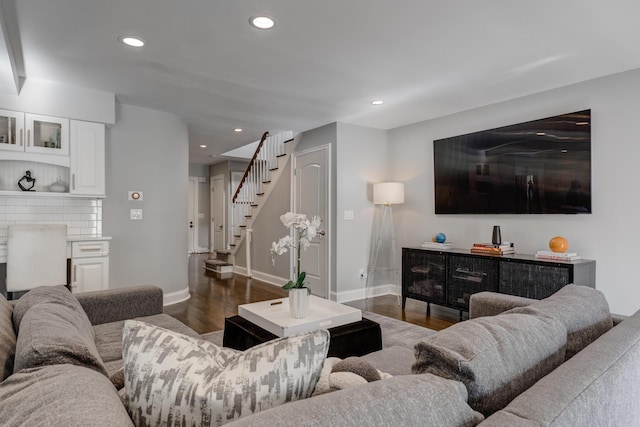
<point x="147" y="150"/>
<point x="362" y="160"/>
<point x="609" y="235"/>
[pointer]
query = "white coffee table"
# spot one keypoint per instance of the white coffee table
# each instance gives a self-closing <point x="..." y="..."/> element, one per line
<point x="275" y="317"/>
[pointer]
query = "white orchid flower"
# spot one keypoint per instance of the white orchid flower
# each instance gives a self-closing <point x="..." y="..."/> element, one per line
<point x="304" y="243"/>
<point x="307" y="230"/>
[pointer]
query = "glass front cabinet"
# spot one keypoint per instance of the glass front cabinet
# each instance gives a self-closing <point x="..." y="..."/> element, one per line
<point x="47" y="135"/>
<point x="11" y="130"/>
<point x="34" y="133"/>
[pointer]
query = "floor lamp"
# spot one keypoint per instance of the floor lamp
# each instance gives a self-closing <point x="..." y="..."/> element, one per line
<point x="383" y="264"/>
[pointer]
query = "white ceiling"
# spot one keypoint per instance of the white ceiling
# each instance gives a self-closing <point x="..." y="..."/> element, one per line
<point x="325" y="60"/>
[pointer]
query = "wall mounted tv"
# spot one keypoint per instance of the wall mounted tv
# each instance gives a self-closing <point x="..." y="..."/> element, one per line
<point x="537" y="167"/>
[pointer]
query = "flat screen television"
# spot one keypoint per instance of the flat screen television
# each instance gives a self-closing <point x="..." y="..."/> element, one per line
<point x="538" y="167"/>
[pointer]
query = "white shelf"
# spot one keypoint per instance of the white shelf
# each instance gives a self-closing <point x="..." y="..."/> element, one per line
<point x="49" y="194"/>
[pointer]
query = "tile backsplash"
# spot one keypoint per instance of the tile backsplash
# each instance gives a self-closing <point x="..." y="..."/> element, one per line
<point x="82" y="216"/>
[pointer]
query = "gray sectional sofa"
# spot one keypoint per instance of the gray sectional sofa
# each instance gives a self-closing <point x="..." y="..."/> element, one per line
<point x="564" y="361"/>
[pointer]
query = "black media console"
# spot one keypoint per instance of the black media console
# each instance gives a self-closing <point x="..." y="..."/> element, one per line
<point x="449" y="277"/>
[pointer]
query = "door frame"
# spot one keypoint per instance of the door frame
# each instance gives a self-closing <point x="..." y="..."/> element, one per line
<point x="327" y="221"/>
<point x="193" y="184"/>
<point x="212" y="230"/>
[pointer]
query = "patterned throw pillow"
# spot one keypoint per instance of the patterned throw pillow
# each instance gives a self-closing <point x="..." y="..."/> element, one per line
<point x="173" y="379"/>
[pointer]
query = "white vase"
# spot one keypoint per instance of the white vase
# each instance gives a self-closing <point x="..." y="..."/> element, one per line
<point x="299" y="302"/>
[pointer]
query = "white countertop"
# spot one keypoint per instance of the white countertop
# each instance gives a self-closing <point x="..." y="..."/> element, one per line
<point x="70" y="239"/>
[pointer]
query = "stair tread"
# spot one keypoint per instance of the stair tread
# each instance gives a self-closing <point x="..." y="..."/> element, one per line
<point x="217" y="262"/>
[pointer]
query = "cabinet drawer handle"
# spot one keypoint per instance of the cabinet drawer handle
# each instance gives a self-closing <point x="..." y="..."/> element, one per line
<point x="90" y="248"/>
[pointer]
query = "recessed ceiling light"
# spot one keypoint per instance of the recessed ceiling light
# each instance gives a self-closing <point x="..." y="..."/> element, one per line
<point x="203" y="146"/>
<point x="582" y="123"/>
<point x="132" y="41"/>
<point x="377" y="102"/>
<point x="262" y="22"/>
<point x="540" y="133"/>
<point x="237" y="130"/>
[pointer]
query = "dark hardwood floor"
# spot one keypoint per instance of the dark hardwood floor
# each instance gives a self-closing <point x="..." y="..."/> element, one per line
<point x="214" y="298"/>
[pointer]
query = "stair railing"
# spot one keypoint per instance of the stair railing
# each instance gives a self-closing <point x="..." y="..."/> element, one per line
<point x="251" y="187"/>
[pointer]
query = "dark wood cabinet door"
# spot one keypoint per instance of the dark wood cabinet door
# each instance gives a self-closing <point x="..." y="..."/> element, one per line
<point x="532" y="280"/>
<point x="424" y="275"/>
<point x="468" y="275"/>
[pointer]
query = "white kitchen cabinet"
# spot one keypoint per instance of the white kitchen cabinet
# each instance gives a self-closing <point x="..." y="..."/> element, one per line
<point x="89" y="266"/>
<point x="46" y="134"/>
<point x="87" y="167"/>
<point x="11" y="130"/>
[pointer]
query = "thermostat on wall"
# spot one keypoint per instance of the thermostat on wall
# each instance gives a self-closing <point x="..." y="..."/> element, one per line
<point x="135" y="195"/>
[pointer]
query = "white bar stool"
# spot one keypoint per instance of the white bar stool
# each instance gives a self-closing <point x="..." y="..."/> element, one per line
<point x="36" y="256"/>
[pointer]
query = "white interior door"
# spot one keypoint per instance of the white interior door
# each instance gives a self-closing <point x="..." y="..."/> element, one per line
<point x="192" y="209"/>
<point x="311" y="196"/>
<point x="217" y="213"/>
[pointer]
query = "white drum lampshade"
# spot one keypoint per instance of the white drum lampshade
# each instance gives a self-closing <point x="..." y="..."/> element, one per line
<point x="388" y="193"/>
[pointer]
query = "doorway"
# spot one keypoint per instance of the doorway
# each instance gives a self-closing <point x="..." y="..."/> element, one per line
<point x="192" y="212"/>
<point x="218" y="217"/>
<point x="311" y="195"/>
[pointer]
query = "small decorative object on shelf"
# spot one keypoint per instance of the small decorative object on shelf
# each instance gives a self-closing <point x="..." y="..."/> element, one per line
<point x="26" y="183"/>
<point x="436" y="245"/>
<point x="439" y="238"/>
<point x="558" y="256"/>
<point x="496" y="237"/>
<point x="304" y="231"/>
<point x="58" y="187"/>
<point x="558" y="244"/>
<point x="505" y="248"/>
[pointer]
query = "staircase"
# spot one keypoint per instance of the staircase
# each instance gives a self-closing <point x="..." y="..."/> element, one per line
<point x="264" y="169"/>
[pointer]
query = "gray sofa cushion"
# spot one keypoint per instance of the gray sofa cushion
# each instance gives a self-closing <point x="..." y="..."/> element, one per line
<point x="60" y="395"/>
<point x="395" y="360"/>
<point x="596" y="387"/>
<point x="7" y="339"/>
<point x="497" y="358"/>
<point x="53" y="333"/>
<point x="109" y="335"/>
<point x="407" y="400"/>
<point x="583" y="310"/>
<point x="43" y="294"/>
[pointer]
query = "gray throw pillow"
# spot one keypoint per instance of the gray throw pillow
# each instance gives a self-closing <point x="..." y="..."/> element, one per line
<point x="53" y="334"/>
<point x="584" y="312"/>
<point x="7" y="339"/>
<point x="496" y="358"/>
<point x="172" y="379"/>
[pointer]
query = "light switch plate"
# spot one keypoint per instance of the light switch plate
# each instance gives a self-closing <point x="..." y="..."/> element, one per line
<point x="348" y="215"/>
<point x="136" y="214"/>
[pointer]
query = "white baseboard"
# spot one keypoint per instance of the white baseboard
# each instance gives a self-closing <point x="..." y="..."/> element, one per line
<point x="263" y="277"/>
<point x="359" y="294"/>
<point x="176" y="297"/>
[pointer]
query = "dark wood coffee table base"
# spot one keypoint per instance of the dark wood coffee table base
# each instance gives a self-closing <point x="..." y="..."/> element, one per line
<point x="353" y="339"/>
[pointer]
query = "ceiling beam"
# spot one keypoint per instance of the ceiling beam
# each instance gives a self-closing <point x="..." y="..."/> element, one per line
<point x="10" y="45"/>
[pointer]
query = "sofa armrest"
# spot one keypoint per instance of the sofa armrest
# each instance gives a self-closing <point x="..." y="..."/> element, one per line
<point x="492" y="303"/>
<point x="120" y="304"/>
<point x="618" y="318"/>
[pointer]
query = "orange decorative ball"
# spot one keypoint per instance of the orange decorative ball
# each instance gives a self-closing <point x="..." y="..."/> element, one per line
<point x="558" y="244"/>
